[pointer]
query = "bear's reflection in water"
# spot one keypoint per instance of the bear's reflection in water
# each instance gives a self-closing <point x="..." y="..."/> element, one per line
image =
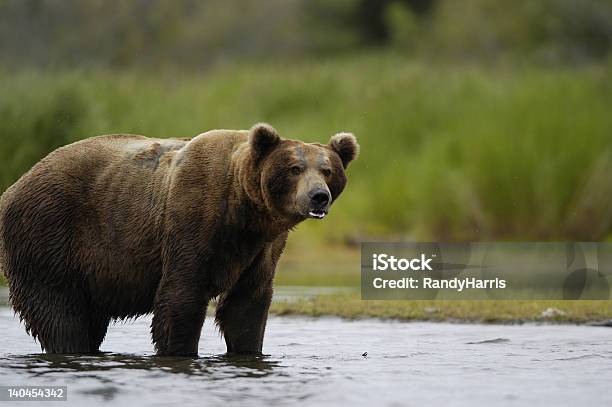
<point x="213" y="367"/>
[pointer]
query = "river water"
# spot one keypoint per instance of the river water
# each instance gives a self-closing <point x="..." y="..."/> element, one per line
<point x="320" y="361"/>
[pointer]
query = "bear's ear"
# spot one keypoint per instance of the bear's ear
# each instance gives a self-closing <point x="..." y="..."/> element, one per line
<point x="263" y="139"/>
<point x="345" y="144"/>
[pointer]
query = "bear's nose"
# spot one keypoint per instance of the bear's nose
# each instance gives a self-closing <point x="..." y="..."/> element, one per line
<point x="319" y="197"/>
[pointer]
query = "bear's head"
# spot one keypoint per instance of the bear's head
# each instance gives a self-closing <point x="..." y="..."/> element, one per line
<point x="298" y="180"/>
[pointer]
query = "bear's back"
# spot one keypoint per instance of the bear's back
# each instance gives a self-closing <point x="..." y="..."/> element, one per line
<point x="99" y="199"/>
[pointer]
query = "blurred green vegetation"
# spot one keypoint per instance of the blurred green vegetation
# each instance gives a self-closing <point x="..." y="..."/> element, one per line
<point x="197" y="34"/>
<point x="478" y="119"/>
<point x="448" y="152"/>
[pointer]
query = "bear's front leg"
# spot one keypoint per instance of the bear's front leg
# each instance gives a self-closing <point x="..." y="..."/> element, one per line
<point x="242" y="312"/>
<point x="178" y="314"/>
<point x="241" y="316"/>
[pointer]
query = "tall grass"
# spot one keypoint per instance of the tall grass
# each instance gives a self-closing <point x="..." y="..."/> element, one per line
<point x="454" y="154"/>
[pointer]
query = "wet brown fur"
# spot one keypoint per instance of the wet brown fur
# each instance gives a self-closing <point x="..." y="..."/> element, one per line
<point x="118" y="226"/>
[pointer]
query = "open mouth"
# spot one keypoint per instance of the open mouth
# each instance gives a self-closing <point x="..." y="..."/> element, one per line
<point x="318" y="214"/>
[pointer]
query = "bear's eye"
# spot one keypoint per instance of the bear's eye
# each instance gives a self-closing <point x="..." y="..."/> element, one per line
<point x="326" y="172"/>
<point x="296" y="169"/>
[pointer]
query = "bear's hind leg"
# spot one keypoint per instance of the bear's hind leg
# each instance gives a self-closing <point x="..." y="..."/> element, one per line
<point x="60" y="321"/>
<point x="61" y="329"/>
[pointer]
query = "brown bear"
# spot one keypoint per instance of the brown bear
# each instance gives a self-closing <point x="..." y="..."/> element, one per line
<point x="118" y="226"/>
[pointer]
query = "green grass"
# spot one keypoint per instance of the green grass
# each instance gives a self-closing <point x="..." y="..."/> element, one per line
<point x="351" y="306"/>
<point x="341" y="267"/>
<point x="447" y="153"/>
<point x="461" y="153"/>
<point x="316" y="265"/>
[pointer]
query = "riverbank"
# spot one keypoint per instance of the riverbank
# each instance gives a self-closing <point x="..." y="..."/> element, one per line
<point x="351" y="306"/>
<point x="493" y="311"/>
<point x="341" y="270"/>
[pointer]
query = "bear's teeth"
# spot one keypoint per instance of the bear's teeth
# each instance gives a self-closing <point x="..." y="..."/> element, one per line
<point x="318" y="215"/>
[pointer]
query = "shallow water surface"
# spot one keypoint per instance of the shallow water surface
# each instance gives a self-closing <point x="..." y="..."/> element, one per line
<point x="320" y="362"/>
